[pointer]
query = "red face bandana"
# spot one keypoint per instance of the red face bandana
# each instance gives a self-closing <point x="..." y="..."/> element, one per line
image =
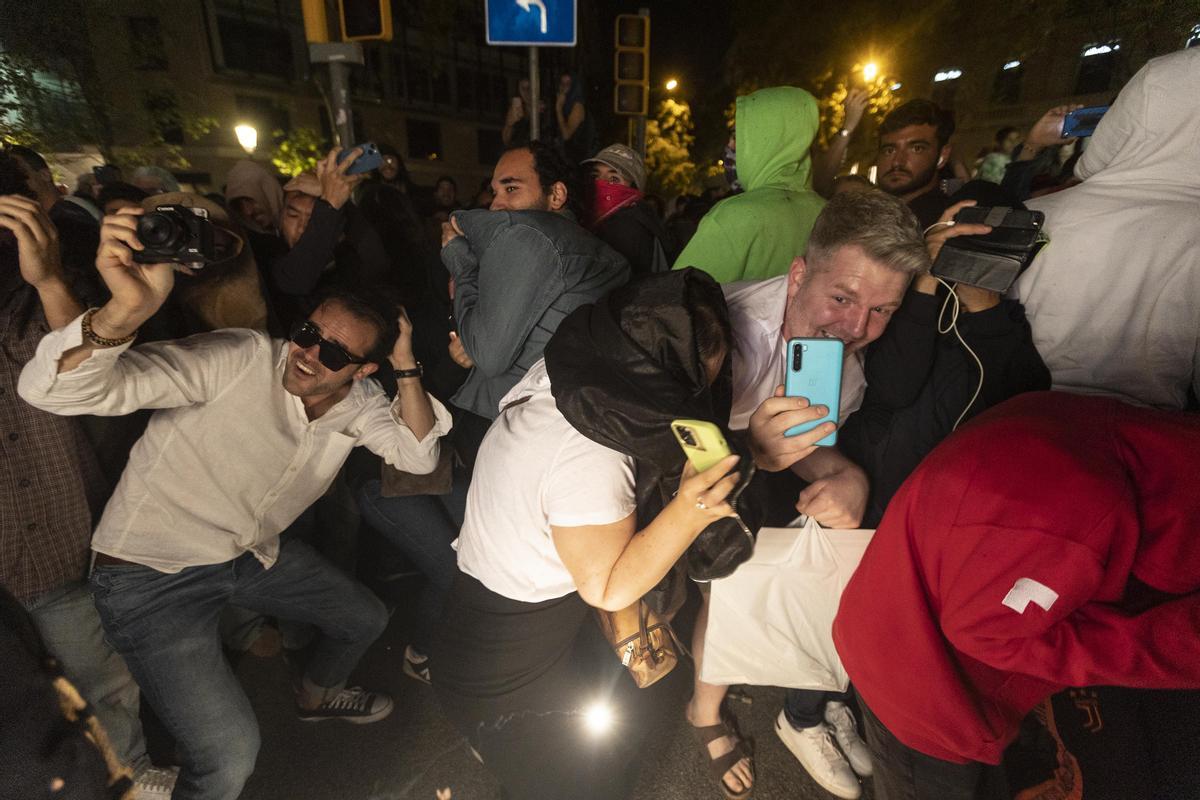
<point x="609" y="197"/>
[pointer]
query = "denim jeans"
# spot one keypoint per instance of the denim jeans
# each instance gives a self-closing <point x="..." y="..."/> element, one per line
<point x="902" y="773"/>
<point x="67" y="620"/>
<point x="165" y="625"/>
<point x="422" y="527"/>
<point x="805" y="708"/>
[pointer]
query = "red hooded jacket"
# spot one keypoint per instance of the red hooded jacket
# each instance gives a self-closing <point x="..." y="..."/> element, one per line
<point x="1016" y="561"/>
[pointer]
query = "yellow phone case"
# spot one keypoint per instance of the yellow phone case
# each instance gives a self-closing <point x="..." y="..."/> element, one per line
<point x="702" y="442"/>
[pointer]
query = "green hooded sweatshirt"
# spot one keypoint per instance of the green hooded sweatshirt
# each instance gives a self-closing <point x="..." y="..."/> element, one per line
<point x="755" y="235"/>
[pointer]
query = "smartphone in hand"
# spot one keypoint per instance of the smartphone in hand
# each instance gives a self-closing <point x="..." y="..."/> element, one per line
<point x="1082" y="121"/>
<point x="813" y="370"/>
<point x="369" y="159"/>
<point x="702" y="442"/>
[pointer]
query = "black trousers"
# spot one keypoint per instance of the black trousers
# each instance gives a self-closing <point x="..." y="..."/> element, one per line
<point x="901" y="773"/>
<point x="517" y="679"/>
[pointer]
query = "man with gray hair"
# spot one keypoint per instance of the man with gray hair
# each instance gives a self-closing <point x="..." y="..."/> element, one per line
<point x="864" y="250"/>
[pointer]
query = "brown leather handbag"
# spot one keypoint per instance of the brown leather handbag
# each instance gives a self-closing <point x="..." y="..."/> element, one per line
<point x="642" y="640"/>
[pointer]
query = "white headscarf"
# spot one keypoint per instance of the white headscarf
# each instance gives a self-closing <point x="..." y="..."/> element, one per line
<point x="1114" y="299"/>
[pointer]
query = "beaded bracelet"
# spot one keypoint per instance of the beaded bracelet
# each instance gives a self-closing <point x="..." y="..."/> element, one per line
<point x="95" y="338"/>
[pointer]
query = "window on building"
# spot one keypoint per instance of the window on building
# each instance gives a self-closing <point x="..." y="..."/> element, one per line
<point x="265" y="114"/>
<point x="424" y="139"/>
<point x="1097" y="67"/>
<point x="464" y="88"/>
<point x="256" y="47"/>
<point x="945" y="86"/>
<point x="146" y="43"/>
<point x="441" y="84"/>
<point x="165" y="120"/>
<point x="1006" y="88"/>
<point x="368" y="78"/>
<point x="489" y="145"/>
<point x="418" y="86"/>
<point x="1193" y="39"/>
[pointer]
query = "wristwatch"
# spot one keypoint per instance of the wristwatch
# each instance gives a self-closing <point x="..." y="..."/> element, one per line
<point x="416" y="372"/>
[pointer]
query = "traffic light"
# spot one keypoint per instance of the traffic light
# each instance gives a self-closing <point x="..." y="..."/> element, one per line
<point x="631" y="65"/>
<point x="366" y="20"/>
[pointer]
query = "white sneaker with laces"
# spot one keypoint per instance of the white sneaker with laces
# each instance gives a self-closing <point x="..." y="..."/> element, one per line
<point x="354" y="704"/>
<point x="816" y="752"/>
<point x="845" y="730"/>
<point x="154" y="783"/>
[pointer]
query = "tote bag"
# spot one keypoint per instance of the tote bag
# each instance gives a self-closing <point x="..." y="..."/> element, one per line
<point x="770" y="623"/>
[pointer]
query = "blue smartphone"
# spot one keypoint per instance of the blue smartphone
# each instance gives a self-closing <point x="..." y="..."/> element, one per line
<point x="1082" y="121"/>
<point x="813" y="369"/>
<point x="370" y="158"/>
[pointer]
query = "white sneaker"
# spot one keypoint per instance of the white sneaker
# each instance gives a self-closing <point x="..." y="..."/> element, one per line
<point x="154" y="783"/>
<point x="845" y="730"/>
<point x="816" y="752"/>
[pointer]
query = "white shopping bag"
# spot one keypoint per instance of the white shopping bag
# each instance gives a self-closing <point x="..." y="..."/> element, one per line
<point x="770" y="623"/>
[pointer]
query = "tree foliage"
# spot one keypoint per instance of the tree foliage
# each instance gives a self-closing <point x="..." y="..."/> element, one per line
<point x="669" y="139"/>
<point x="298" y="151"/>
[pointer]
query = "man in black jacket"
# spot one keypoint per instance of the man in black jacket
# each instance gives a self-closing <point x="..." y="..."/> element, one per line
<point x="330" y="244"/>
<point x="925" y="377"/>
<point x="621" y="217"/>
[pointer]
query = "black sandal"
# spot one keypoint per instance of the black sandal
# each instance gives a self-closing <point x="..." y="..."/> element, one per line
<point x="721" y="765"/>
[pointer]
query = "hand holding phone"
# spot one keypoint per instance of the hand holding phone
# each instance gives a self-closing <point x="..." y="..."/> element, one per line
<point x="813" y="370"/>
<point x="1082" y="121"/>
<point x="368" y="160"/>
<point x="702" y="442"/>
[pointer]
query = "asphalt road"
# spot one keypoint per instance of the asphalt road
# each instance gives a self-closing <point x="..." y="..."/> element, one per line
<point x="415" y="752"/>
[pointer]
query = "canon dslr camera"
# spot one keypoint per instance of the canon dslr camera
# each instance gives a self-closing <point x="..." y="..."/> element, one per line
<point x="178" y="235"/>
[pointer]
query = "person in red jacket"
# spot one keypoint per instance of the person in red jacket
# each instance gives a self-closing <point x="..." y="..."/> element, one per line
<point x="1050" y="543"/>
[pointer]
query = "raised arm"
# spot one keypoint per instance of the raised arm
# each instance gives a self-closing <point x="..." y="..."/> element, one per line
<point x="39" y="258"/>
<point x="614" y="565"/>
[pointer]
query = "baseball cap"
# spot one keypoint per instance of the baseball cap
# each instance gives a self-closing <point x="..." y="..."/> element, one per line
<point x="624" y="160"/>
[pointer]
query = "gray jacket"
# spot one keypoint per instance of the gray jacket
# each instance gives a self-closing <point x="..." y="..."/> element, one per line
<point x="516" y="275"/>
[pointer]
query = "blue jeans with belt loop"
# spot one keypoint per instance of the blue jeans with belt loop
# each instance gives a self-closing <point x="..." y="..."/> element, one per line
<point x="165" y="626"/>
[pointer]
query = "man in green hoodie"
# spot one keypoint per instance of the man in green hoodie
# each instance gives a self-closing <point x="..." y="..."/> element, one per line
<point x="756" y="234"/>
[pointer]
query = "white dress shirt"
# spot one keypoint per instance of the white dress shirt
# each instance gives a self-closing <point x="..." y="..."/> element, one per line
<point x="230" y="458"/>
<point x="756" y="314"/>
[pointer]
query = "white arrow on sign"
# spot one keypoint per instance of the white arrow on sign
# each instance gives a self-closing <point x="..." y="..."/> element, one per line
<point x="525" y="4"/>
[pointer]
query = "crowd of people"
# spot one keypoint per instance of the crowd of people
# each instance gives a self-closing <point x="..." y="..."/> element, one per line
<point x="193" y="451"/>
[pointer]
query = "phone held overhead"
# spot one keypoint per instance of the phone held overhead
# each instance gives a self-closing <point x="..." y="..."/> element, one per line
<point x="369" y="159"/>
<point x="813" y="370"/>
<point x="1082" y="121"/>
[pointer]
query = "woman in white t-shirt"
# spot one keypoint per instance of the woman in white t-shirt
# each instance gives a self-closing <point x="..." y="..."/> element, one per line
<point x="552" y="527"/>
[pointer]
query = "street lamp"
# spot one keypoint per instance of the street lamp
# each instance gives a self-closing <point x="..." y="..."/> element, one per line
<point x="870" y="70"/>
<point x="247" y="136"/>
<point x="672" y="85"/>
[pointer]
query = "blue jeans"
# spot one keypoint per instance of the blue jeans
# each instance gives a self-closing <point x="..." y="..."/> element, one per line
<point x="422" y="527"/>
<point x="805" y="708"/>
<point x="165" y="625"/>
<point x="67" y="620"/>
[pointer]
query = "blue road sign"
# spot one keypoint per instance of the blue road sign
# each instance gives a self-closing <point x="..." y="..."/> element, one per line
<point x="548" y="23"/>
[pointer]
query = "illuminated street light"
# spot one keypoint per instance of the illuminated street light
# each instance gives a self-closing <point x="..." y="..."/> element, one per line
<point x="947" y="75"/>
<point x="895" y="87"/>
<point x="870" y="70"/>
<point x="1012" y="65"/>
<point x="247" y="136"/>
<point x="672" y="84"/>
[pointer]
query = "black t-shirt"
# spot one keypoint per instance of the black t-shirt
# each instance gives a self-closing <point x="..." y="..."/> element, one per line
<point x="929" y="206"/>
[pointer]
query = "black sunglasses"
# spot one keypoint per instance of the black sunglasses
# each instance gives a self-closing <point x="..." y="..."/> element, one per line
<point x="331" y="355"/>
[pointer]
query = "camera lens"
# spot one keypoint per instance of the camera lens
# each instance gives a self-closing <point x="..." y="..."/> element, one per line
<point x="160" y="230"/>
<point x="797" y="358"/>
<point x="687" y="436"/>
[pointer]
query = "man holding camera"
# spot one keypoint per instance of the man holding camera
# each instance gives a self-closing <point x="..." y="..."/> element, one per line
<point x="249" y="432"/>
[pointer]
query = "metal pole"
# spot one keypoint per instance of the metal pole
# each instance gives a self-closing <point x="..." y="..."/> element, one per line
<point x="535" y="92"/>
<point x="339" y="88"/>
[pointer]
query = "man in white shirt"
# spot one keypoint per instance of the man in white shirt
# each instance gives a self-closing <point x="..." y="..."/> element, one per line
<point x="250" y="431"/>
<point x="864" y="249"/>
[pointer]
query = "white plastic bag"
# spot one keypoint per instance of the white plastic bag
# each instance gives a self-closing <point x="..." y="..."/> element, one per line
<point x="770" y="623"/>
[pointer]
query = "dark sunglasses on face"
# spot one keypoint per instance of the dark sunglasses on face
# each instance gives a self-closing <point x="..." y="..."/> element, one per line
<point x="331" y="355"/>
